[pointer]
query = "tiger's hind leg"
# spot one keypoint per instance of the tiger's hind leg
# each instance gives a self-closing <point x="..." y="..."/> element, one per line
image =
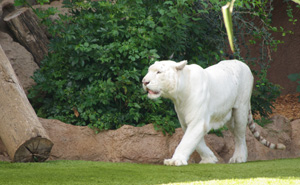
<point x="237" y="126"/>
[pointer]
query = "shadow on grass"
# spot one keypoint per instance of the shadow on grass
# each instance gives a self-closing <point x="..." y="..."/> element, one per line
<point x="86" y="172"/>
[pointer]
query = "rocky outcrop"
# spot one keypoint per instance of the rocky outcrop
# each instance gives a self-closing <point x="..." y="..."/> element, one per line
<point x="146" y="145"/>
<point x="20" y="59"/>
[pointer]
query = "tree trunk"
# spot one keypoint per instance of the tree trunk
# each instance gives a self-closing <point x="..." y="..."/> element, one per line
<point x="20" y="130"/>
<point x="25" y="26"/>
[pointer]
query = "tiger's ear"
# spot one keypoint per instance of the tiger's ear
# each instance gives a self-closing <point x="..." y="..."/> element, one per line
<point x="180" y="65"/>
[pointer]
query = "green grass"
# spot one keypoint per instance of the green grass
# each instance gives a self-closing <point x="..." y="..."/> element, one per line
<point x="285" y="171"/>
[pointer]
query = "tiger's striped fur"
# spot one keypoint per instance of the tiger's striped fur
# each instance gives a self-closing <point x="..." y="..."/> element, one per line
<point x="262" y="140"/>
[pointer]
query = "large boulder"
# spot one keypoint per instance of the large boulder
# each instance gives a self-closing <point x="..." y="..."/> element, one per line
<point x="127" y="144"/>
<point x="20" y="59"/>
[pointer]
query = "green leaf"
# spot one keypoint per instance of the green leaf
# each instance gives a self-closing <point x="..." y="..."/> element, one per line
<point x="161" y="11"/>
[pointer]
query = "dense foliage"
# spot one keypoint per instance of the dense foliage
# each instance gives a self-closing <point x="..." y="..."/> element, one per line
<point x="101" y="50"/>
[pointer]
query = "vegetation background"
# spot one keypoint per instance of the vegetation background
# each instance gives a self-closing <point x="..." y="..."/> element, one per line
<point x="100" y="51"/>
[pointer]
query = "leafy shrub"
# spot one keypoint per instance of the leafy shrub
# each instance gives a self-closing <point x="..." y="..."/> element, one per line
<point x="98" y="55"/>
<point x="264" y="94"/>
<point x="101" y="50"/>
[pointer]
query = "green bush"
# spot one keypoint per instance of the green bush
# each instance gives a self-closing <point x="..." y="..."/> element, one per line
<point x="264" y="94"/>
<point x="98" y="55"/>
<point x="100" y="51"/>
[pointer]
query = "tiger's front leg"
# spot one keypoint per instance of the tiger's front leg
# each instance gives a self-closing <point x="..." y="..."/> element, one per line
<point x="191" y="138"/>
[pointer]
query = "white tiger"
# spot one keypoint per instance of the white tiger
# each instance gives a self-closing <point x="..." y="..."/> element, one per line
<point x="206" y="99"/>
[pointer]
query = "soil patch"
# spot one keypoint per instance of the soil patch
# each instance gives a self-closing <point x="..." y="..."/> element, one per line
<point x="287" y="106"/>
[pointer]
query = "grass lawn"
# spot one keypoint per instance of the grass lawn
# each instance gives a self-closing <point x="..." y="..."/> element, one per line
<point x="285" y="171"/>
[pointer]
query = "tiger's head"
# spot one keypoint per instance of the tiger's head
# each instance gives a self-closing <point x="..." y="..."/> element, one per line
<point x="162" y="77"/>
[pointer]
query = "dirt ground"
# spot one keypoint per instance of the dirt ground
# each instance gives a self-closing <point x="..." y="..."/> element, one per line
<point x="288" y="106"/>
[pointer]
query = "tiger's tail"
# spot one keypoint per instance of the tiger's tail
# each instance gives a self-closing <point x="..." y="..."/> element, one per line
<point x="262" y="140"/>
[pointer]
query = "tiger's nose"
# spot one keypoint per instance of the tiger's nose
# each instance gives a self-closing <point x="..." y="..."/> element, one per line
<point x="145" y="82"/>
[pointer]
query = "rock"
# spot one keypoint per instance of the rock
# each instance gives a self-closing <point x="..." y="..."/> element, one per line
<point x="3" y="152"/>
<point x="127" y="144"/>
<point x="21" y="61"/>
<point x="146" y="145"/>
<point x="295" y="137"/>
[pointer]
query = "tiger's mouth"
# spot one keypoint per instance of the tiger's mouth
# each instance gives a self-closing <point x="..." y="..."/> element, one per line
<point x="152" y="94"/>
<point x="151" y="91"/>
